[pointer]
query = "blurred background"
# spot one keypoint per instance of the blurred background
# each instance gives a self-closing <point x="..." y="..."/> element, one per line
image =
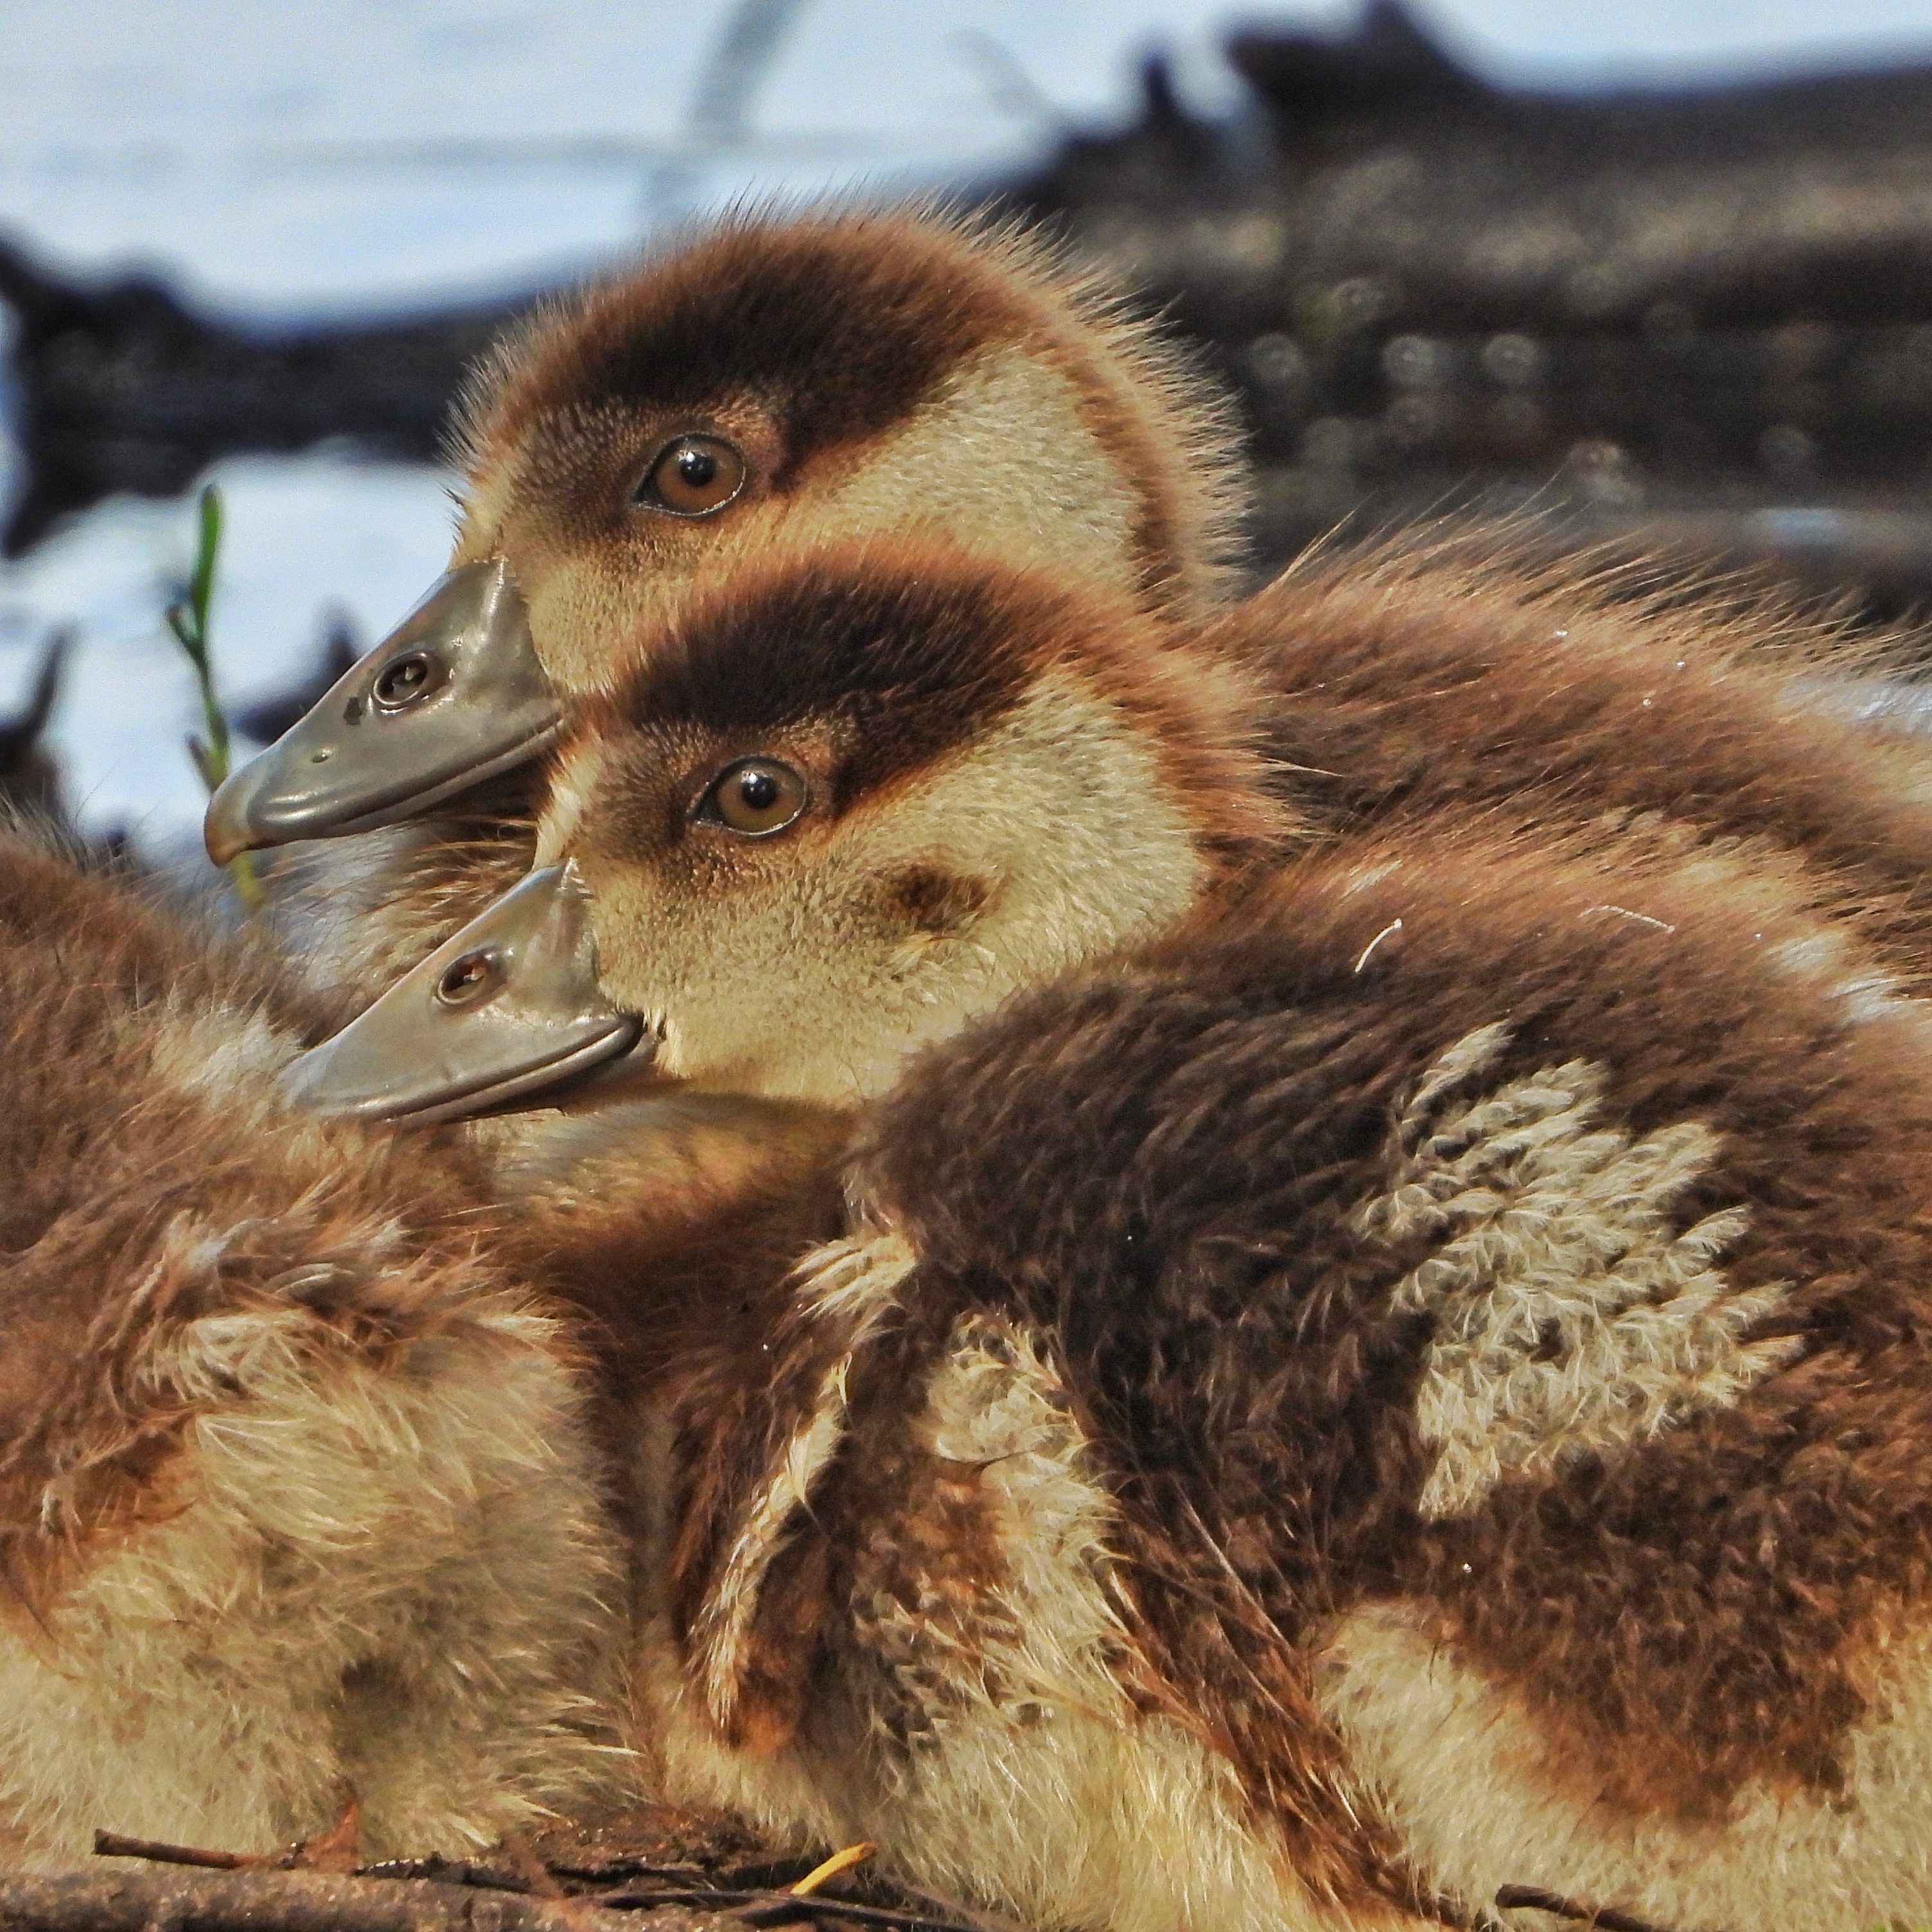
<point x="1663" y="271"/>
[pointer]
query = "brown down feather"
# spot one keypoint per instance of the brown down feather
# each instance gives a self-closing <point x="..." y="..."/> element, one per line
<point x="1455" y="672"/>
<point x="297" y="1496"/>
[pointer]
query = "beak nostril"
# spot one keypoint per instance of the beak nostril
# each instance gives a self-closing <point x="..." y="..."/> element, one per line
<point x="403" y="681"/>
<point x="469" y="978"/>
<point x="323" y="756"/>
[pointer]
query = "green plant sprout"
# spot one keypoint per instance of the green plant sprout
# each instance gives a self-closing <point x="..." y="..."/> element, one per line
<point x="187" y="618"/>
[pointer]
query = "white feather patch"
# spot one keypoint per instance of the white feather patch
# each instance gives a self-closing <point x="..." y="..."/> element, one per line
<point x="856" y="1278"/>
<point x="1571" y="1317"/>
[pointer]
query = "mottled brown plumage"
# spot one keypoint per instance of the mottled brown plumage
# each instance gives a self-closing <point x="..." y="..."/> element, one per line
<point x="1455" y="674"/>
<point x="297" y="1495"/>
<point x="1374" y="1356"/>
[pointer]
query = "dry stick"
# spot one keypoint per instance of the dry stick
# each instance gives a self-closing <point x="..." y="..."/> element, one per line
<point x="1601" y="1916"/>
<point x="113" y="1845"/>
<point x="451" y="1871"/>
<point x="747" y="1907"/>
<point x="119" y="1900"/>
<point x="767" y="1908"/>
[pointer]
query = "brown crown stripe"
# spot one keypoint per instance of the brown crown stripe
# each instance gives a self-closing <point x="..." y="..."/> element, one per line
<point x="904" y="651"/>
<point x="910" y="665"/>
<point x="840" y="329"/>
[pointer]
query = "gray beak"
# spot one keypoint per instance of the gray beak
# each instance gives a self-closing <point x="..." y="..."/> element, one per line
<point x="454" y="695"/>
<point x="509" y="1007"/>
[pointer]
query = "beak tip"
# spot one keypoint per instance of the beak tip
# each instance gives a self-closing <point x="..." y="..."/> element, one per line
<point x="225" y="830"/>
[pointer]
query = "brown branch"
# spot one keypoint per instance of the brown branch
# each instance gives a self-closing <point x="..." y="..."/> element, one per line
<point x="441" y="1878"/>
<point x="451" y="1871"/>
<point x="122" y="1900"/>
<point x="113" y="1845"/>
<point x="772" y="1908"/>
<point x="1535" y="1898"/>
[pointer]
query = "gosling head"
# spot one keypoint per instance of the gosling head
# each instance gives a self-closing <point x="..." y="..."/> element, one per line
<point x="791" y="379"/>
<point x="778" y="382"/>
<point x="846" y="804"/>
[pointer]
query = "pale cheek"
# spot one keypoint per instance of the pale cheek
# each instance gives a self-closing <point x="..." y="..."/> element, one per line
<point x="725" y="1035"/>
<point x="479" y="534"/>
<point x="590" y="617"/>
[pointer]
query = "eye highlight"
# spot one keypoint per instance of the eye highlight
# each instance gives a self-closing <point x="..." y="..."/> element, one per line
<point x="692" y="476"/>
<point x="754" y="798"/>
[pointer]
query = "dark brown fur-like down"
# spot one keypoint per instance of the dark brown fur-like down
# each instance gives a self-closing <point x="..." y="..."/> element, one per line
<point x="295" y="1489"/>
<point x="671" y="1225"/>
<point x="1498" y="1232"/>
<point x="1185" y="1171"/>
<point x="1462" y="675"/>
<point x="1163" y="1164"/>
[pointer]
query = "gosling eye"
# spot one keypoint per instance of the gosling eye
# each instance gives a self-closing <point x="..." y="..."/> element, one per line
<point x="754" y="798"/>
<point x="692" y="476"/>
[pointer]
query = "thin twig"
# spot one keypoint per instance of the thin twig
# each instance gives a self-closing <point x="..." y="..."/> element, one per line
<point x="113" y="1845"/>
<point x="765" y="1908"/>
<point x="1603" y="1916"/>
<point x="749" y="1905"/>
<point x="451" y="1871"/>
<point x="618" y="1871"/>
<point x="123" y="1899"/>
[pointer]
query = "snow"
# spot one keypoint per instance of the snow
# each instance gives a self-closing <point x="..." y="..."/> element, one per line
<point x="336" y="156"/>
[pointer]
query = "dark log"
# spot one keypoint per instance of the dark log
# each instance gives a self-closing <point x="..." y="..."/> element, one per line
<point x="29" y="779"/>
<point x="1705" y="307"/>
<point x="121" y="386"/>
<point x="1472" y="208"/>
<point x="1531" y="1897"/>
